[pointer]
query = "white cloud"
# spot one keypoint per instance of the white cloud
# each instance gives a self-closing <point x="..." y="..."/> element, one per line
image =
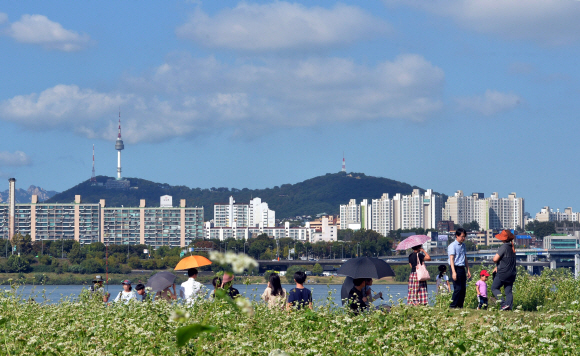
<point x="17" y="158"/>
<point x="38" y="29"/>
<point x="281" y="26"/>
<point x="551" y="22"/>
<point x="191" y="96"/>
<point x="3" y="18"/>
<point x="490" y="103"/>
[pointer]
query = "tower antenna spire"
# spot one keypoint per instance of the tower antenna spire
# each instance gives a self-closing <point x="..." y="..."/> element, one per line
<point x="343" y="163"/>
<point x="93" y="176"/>
<point x="119" y="146"/>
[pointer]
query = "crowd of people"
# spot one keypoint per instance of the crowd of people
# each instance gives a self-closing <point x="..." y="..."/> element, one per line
<point x="504" y="274"/>
<point x="360" y="295"/>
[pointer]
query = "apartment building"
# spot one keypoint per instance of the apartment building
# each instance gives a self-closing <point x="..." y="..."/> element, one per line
<point x="243" y="215"/>
<point x="416" y="210"/>
<point x="490" y="213"/>
<point x="547" y="214"/>
<point x="153" y="226"/>
<point x="350" y="216"/>
<point x="54" y="221"/>
<point x="243" y="232"/>
<point x="88" y="223"/>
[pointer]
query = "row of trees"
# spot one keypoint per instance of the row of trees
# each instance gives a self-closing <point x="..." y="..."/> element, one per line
<point x="23" y="255"/>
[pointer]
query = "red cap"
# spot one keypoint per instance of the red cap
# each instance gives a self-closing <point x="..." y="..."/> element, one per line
<point x="484" y="273"/>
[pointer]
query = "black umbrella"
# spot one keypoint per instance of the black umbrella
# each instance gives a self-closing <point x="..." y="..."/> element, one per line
<point x="161" y="280"/>
<point x="366" y="267"/>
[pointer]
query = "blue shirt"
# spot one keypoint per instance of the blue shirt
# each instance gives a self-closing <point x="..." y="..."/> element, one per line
<point x="458" y="250"/>
<point x="300" y="298"/>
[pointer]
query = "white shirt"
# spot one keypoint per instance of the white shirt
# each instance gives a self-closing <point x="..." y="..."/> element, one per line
<point x="190" y="290"/>
<point x="441" y="283"/>
<point x="126" y="297"/>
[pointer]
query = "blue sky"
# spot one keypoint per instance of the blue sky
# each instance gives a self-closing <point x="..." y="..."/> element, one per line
<point x="476" y="95"/>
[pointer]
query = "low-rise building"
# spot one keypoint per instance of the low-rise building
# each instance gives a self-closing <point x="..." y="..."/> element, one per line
<point x="557" y="241"/>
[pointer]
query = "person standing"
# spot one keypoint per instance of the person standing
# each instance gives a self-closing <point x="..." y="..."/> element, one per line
<point x="141" y="291"/>
<point x="228" y="285"/>
<point x="417" y="290"/>
<point x="97" y="289"/>
<point x="274" y="294"/>
<point x="459" y="268"/>
<point x="299" y="297"/>
<point x="357" y="301"/>
<point x="481" y="290"/>
<point x="166" y="294"/>
<point x="442" y="282"/>
<point x="127" y="294"/>
<point x="190" y="289"/>
<point x="505" y="258"/>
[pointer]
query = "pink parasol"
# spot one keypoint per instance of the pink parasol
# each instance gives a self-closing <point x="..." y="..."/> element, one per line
<point x="411" y="241"/>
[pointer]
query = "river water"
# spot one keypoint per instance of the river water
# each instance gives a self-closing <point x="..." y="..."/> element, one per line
<point x="320" y="292"/>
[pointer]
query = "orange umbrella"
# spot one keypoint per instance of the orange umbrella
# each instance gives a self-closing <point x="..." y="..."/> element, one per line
<point x="191" y="262"/>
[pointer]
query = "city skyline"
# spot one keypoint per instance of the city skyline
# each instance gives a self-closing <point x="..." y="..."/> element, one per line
<point x="462" y="95"/>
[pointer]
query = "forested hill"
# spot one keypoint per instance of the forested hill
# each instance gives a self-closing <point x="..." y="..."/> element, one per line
<point x="321" y="194"/>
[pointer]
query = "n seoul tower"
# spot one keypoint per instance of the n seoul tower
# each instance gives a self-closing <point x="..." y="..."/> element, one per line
<point x="119" y="146"/>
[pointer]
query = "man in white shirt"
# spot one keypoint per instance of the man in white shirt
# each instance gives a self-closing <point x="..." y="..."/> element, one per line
<point x="190" y="289"/>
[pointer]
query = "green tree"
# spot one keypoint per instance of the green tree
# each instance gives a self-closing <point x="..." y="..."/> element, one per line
<point x="286" y="252"/>
<point x="317" y="269"/>
<point x="134" y="262"/>
<point x="541" y="229"/>
<point x="76" y="256"/>
<point x="290" y="272"/>
<point x="17" y="264"/>
<point x="23" y="243"/>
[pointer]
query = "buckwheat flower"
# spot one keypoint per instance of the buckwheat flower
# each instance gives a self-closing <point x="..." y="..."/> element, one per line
<point x="278" y="352"/>
<point x="179" y="315"/>
<point x="245" y="305"/>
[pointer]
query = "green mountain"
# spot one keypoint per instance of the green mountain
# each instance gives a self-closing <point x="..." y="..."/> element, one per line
<point x="322" y="194"/>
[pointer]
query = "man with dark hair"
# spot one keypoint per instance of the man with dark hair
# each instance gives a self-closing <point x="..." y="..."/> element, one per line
<point x="190" y="289"/>
<point x="300" y="296"/>
<point x="356" y="300"/>
<point x="458" y="262"/>
<point x="140" y="288"/>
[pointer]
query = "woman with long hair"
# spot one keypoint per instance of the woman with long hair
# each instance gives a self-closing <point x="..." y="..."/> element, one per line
<point x="274" y="294"/>
<point x="417" y="289"/>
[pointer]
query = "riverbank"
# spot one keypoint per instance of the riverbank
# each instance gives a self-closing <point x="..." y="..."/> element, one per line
<point x="51" y="278"/>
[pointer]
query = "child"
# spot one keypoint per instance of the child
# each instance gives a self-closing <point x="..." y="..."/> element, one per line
<point x="299" y="297"/>
<point x="443" y="280"/>
<point x="481" y="288"/>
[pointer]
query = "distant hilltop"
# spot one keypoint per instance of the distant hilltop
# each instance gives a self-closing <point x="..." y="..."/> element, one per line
<point x="322" y="194"/>
<point x="23" y="196"/>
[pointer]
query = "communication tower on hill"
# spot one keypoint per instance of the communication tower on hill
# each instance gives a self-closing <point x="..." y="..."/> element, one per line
<point x="343" y="164"/>
<point x="93" y="176"/>
<point x="119" y="146"/>
<point x="118" y="183"/>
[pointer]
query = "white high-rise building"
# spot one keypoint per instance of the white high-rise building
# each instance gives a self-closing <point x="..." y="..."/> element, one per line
<point x="432" y="209"/>
<point x="460" y="208"/>
<point x="401" y="212"/>
<point x="260" y="214"/>
<point x="547" y="214"/>
<point x="350" y="216"/>
<point x="382" y="215"/>
<point x="490" y="213"/>
<point x="254" y="214"/>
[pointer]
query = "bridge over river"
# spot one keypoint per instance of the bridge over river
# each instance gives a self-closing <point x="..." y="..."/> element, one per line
<point x="530" y="258"/>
